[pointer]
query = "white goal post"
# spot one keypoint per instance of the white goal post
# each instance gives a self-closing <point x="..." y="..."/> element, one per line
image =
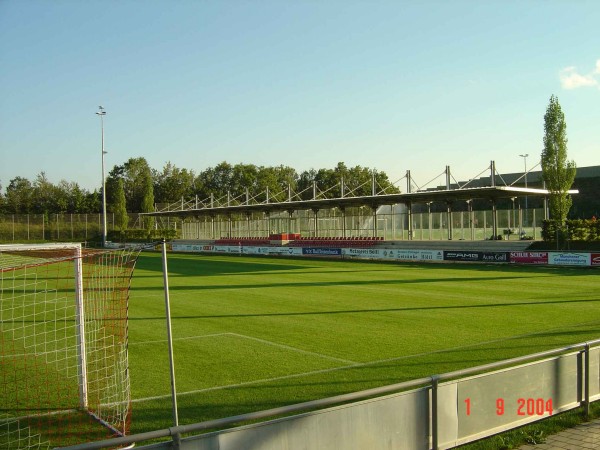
<point x="64" y="372"/>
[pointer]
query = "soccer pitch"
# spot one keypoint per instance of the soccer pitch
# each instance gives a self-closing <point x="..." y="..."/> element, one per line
<point x="252" y="333"/>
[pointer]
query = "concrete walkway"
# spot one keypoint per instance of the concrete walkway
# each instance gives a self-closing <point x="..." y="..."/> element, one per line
<point x="584" y="436"/>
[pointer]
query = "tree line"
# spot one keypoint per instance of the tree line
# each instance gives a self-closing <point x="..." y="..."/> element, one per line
<point x="136" y="187"/>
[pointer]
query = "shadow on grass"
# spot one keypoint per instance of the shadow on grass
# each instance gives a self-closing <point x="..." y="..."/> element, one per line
<point x="346" y="282"/>
<point x="195" y="264"/>
<point x="369" y="311"/>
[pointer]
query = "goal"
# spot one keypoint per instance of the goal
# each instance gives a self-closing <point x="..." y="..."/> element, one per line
<point x="63" y="344"/>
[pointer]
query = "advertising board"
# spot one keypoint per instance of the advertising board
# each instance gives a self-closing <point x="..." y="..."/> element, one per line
<point x="595" y="257"/>
<point x="285" y="251"/>
<point x="192" y="248"/>
<point x="472" y="256"/>
<point x="569" y="259"/>
<point x="461" y="256"/>
<point x="366" y="253"/>
<point x="393" y="254"/>
<point x="318" y="251"/>
<point x="529" y="257"/>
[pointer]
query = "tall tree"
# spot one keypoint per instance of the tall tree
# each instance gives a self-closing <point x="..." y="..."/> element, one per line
<point x="135" y="174"/>
<point x="148" y="200"/>
<point x="19" y="193"/>
<point x="172" y="184"/>
<point x="557" y="172"/>
<point x="44" y="196"/>
<point x="119" y="207"/>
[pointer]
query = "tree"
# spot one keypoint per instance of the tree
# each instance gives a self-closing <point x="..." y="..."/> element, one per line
<point x="44" y="196"/>
<point x="557" y="172"/>
<point x="19" y="193"/>
<point x="172" y="184"/>
<point x="148" y="200"/>
<point x="135" y="174"/>
<point x="119" y="207"/>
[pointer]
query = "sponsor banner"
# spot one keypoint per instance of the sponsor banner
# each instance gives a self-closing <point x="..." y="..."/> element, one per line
<point x="493" y="257"/>
<point x="367" y="253"/>
<point x="318" y="251"/>
<point x="192" y="248"/>
<point x="569" y="259"/>
<point x="393" y="254"/>
<point x="283" y="251"/>
<point x="461" y="256"/>
<point x="432" y="255"/>
<point x="529" y="257"/>
<point x="499" y="257"/>
<point x="595" y="259"/>
<point x="247" y="250"/>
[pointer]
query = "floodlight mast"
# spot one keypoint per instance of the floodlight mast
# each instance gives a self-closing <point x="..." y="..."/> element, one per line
<point x="525" y="163"/>
<point x="101" y="112"/>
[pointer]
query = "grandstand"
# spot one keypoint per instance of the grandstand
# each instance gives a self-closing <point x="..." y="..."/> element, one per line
<point x="300" y="241"/>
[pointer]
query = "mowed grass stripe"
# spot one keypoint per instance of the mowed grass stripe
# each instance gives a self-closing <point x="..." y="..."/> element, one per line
<point x="397" y="321"/>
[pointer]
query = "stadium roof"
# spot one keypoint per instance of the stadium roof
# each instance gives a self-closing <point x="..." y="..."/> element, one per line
<point x="492" y="193"/>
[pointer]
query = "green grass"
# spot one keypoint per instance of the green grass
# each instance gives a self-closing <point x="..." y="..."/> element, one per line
<point x="254" y="333"/>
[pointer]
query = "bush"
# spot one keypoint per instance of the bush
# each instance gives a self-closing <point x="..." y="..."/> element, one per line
<point x="141" y="235"/>
<point x="572" y="230"/>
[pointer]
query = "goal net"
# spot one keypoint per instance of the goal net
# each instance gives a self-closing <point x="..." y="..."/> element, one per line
<point x="63" y="344"/>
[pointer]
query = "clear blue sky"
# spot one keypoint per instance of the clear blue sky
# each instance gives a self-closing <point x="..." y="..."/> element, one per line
<point x="392" y="85"/>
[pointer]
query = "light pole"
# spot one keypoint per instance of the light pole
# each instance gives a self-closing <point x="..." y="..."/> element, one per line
<point x="101" y="112"/>
<point x="525" y="165"/>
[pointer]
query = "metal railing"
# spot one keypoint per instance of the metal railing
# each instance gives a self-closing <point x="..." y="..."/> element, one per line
<point x="431" y="383"/>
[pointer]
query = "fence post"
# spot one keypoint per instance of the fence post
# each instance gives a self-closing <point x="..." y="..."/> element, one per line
<point x="586" y="380"/>
<point x="434" y="411"/>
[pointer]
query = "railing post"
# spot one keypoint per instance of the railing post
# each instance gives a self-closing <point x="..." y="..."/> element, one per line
<point x="434" y="411"/>
<point x="586" y="380"/>
<point x="169" y="333"/>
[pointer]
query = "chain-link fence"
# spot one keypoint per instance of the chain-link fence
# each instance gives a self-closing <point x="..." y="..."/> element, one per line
<point x="59" y="227"/>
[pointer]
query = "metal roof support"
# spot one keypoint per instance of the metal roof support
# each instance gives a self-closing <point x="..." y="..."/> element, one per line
<point x="471" y="218"/>
<point x="314" y="190"/>
<point x="373" y="189"/>
<point x="268" y="220"/>
<point x="449" y="212"/>
<point x="374" y="208"/>
<point x="410" y="220"/>
<point x="493" y="173"/>
<point x="429" y="218"/>
<point x="447" y="178"/>
<point x="290" y="214"/>
<point x="494" y="220"/>
<point x="408" y="182"/>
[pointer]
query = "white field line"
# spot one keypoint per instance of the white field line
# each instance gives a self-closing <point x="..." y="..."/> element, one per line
<point x="179" y="339"/>
<point x="262" y="341"/>
<point x="288" y="347"/>
<point x="335" y="369"/>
